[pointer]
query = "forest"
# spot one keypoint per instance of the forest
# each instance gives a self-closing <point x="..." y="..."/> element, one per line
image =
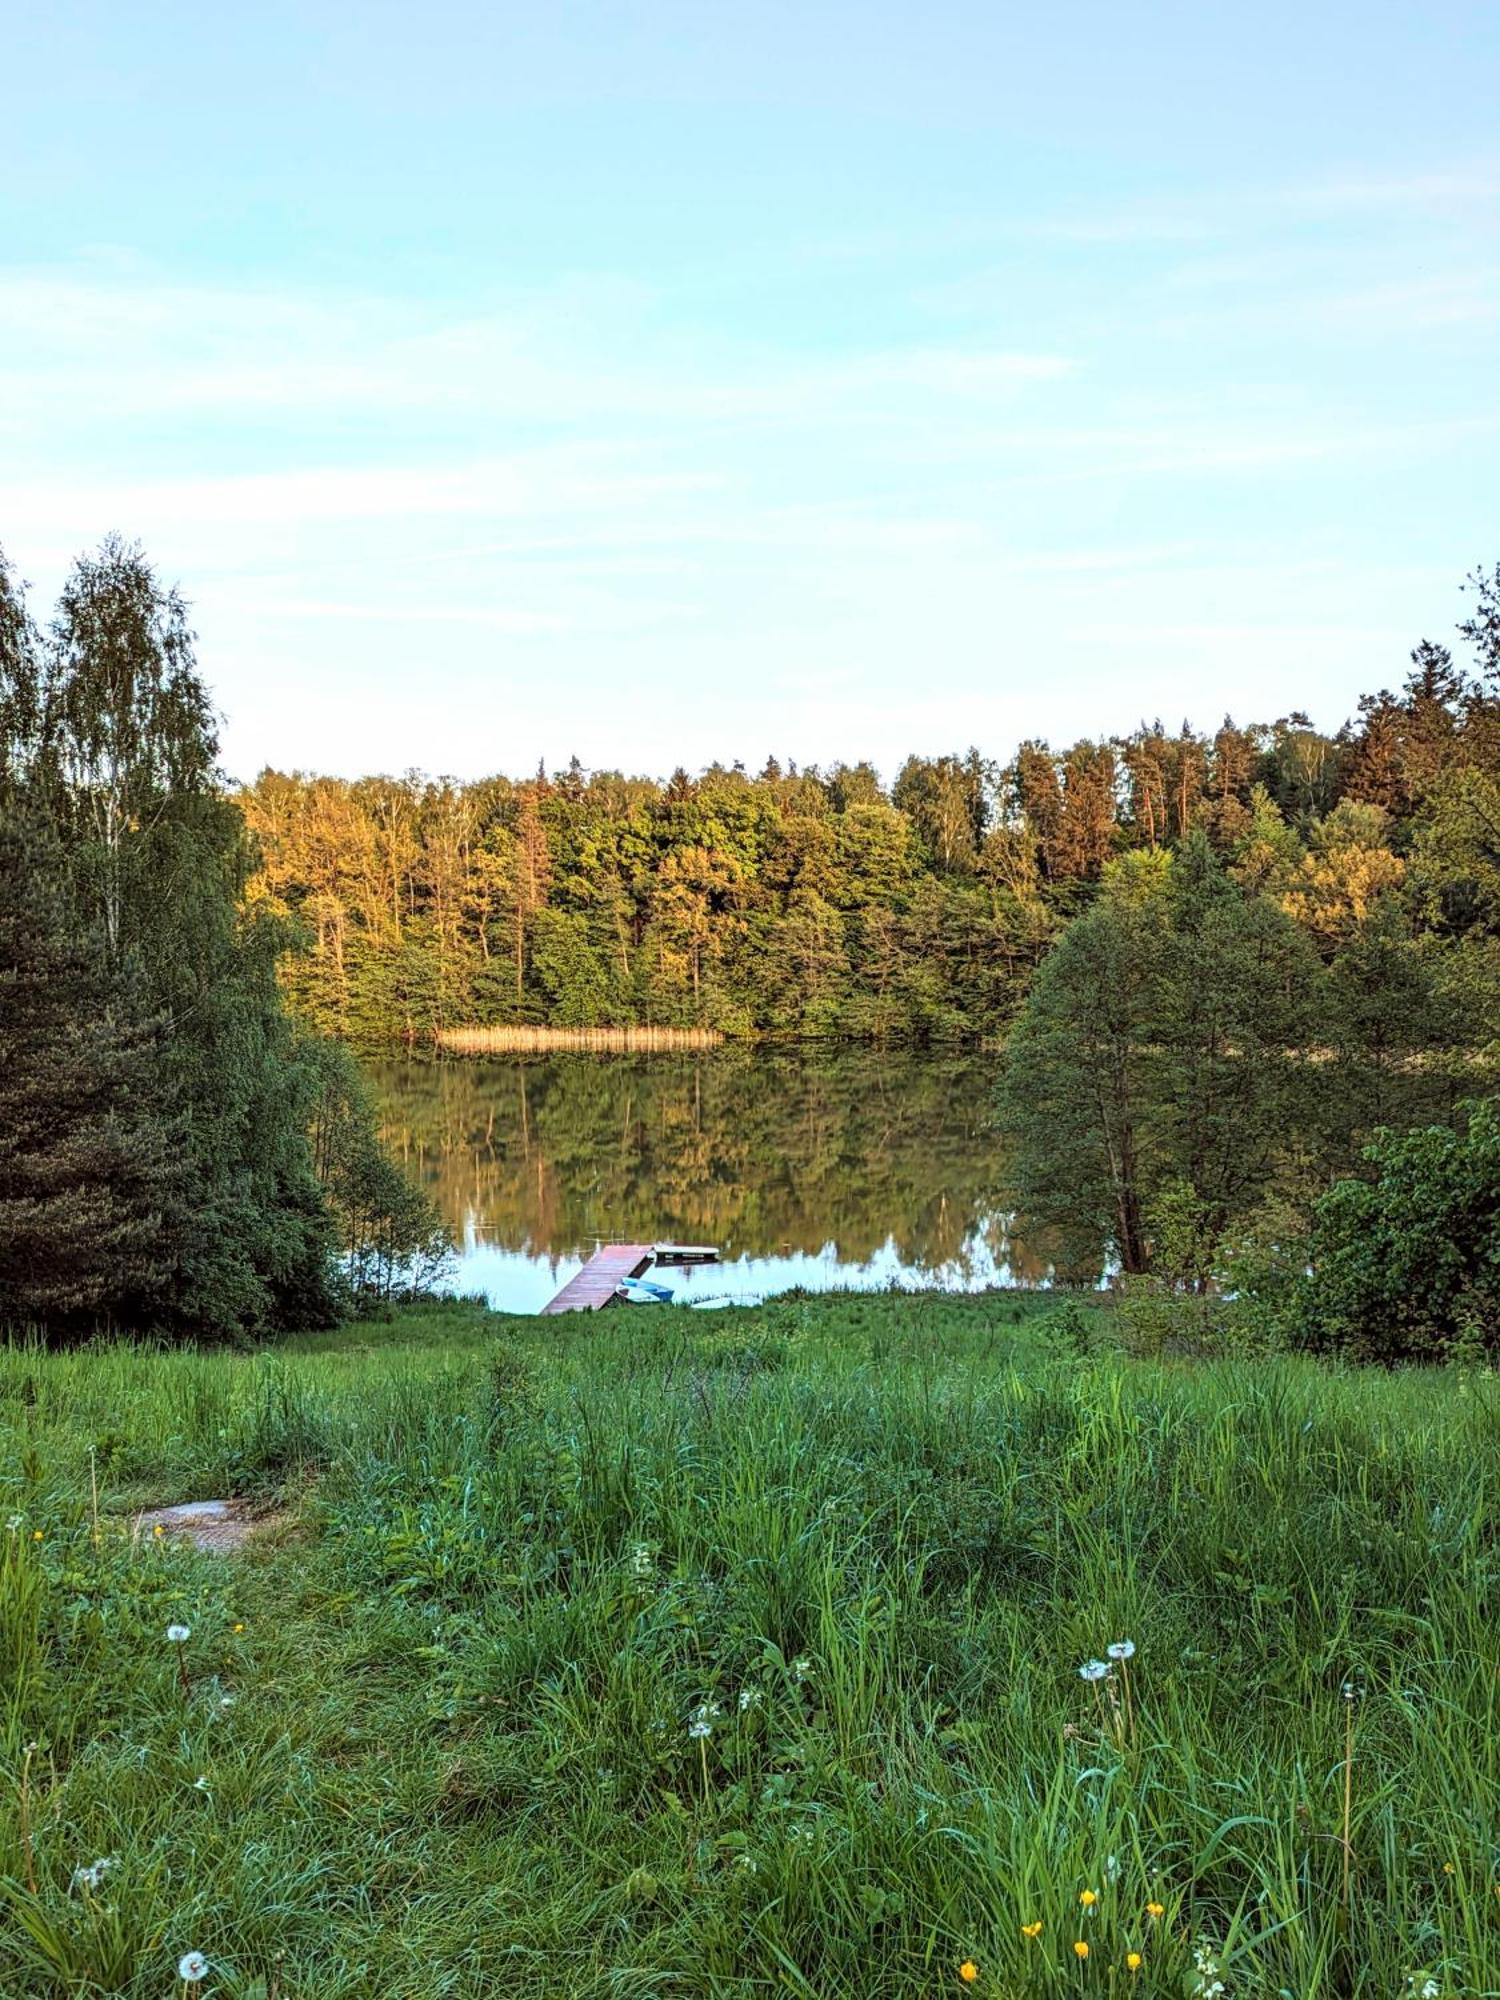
<point x="1213" y="973"/>
<point x="802" y="903"/>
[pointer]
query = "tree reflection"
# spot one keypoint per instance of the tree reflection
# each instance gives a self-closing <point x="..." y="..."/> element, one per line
<point x="764" y="1152"/>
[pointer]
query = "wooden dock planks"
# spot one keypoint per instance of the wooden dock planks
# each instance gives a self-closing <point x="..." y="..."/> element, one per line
<point x="595" y="1284"/>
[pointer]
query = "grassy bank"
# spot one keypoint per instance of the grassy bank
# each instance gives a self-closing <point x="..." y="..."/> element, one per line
<point x="678" y="1654"/>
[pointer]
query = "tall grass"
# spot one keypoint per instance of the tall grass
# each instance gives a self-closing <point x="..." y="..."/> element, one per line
<point x="613" y="1041"/>
<point x="869" y="1543"/>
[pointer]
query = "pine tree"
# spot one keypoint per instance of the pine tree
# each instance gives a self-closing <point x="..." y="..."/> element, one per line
<point x="90" y="1166"/>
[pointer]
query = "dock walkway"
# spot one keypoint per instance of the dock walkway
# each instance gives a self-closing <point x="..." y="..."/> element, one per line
<point x="595" y="1284"/>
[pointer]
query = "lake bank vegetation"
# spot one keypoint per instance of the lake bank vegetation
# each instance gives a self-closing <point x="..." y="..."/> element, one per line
<point x="178" y="1154"/>
<point x="669" y="1656"/>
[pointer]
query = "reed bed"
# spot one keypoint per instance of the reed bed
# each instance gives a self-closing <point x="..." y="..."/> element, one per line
<point x="611" y="1041"/>
<point x="663" y="1656"/>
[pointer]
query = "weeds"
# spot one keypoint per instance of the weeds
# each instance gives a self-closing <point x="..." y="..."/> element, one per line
<point x="609" y="1662"/>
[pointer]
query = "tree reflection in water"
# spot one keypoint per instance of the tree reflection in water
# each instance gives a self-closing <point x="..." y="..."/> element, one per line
<point x="812" y="1166"/>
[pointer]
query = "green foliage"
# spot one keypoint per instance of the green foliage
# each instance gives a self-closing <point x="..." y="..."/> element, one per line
<point x="1155" y="1073"/>
<point x="441" y="1713"/>
<point x="1406" y="1263"/>
<point x="391" y="1242"/>
<point x="154" y="1162"/>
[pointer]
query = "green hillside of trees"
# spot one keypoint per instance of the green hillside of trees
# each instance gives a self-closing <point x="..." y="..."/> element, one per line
<point x="813" y="902"/>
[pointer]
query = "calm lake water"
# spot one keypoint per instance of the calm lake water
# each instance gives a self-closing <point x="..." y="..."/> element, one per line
<point x="823" y="1168"/>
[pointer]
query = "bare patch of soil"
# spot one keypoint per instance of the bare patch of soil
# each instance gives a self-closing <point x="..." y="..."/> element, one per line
<point x="221" y="1527"/>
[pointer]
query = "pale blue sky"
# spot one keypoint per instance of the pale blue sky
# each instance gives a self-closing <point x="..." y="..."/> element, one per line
<point x="666" y="382"/>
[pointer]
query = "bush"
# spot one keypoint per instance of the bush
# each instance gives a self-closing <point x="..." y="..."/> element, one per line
<point x="1406" y="1265"/>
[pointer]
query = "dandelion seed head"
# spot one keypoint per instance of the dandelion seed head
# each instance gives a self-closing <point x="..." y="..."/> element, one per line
<point x="1122" y="1649"/>
<point x="179" y="1634"/>
<point x="1094" y="1670"/>
<point x="192" y="1967"/>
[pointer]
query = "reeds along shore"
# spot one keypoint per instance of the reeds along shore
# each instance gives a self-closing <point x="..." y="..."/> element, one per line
<point x="506" y="1040"/>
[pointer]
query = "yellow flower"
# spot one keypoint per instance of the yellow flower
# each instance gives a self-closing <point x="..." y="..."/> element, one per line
<point x="1088" y="1899"/>
<point x="968" y="1972"/>
<point x="36" y="1534"/>
<point x="158" y="1531"/>
<point x="1155" y="1910"/>
<point x="1081" y="1949"/>
<point x="1035" y="1930"/>
<point x="1133" y="1960"/>
<point x="1447" y="1865"/>
<point x="239" y="1628"/>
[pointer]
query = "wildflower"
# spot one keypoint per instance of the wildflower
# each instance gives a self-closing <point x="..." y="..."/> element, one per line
<point x="94" y="1874"/>
<point x="1094" y="1670"/>
<point x="1031" y="1930"/>
<point x="1208" y="1985"/>
<point x="1080" y="1949"/>
<point x="641" y="1559"/>
<point x="179" y="1634"/>
<point x="200" y="1784"/>
<point x="1122" y="1649"/>
<point x="1088" y="1898"/>
<point x="192" y="1967"/>
<point x="968" y="1972"/>
<point x="157" y="1532"/>
<point x="1155" y="1911"/>
<point x="14" y="1525"/>
<point x="37" y="1535"/>
<point x="239" y="1628"/>
<point x="749" y="1698"/>
<point x="802" y="1668"/>
<point x="1132" y="1961"/>
<point x="1448" y="1868"/>
<point x="699" y="1728"/>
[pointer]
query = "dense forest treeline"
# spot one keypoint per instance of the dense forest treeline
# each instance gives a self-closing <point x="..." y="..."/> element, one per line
<point x="810" y="903"/>
<point x="177" y="1154"/>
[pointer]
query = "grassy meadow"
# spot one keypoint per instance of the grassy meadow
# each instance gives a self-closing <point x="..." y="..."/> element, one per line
<point x="668" y="1653"/>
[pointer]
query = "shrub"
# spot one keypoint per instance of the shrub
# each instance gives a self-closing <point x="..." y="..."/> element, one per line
<point x="1406" y="1264"/>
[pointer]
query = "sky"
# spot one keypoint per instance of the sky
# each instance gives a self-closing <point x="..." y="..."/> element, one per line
<point x="662" y="383"/>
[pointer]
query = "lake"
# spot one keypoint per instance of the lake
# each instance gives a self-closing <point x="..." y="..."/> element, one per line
<point x="847" y="1166"/>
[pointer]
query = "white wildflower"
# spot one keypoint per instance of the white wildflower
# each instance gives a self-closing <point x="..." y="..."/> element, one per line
<point x="1094" y="1670"/>
<point x="749" y="1698"/>
<point x="698" y="1729"/>
<point x="1208" y="1985"/>
<point x="15" y="1524"/>
<point x="192" y="1967"/>
<point x="802" y="1668"/>
<point x="179" y="1634"/>
<point x="1122" y="1649"/>
<point x="94" y="1874"/>
<point x="200" y="1784"/>
<point x="641" y="1560"/>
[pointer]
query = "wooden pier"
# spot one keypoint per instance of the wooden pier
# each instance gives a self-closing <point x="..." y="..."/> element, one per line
<point x="612" y="1263"/>
<point x="595" y="1284"/>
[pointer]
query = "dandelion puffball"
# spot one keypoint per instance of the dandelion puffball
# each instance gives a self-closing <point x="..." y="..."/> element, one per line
<point x="1093" y="1670"/>
<point x="179" y="1634"/>
<point x="1122" y="1649"/>
<point x="192" y="1967"/>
